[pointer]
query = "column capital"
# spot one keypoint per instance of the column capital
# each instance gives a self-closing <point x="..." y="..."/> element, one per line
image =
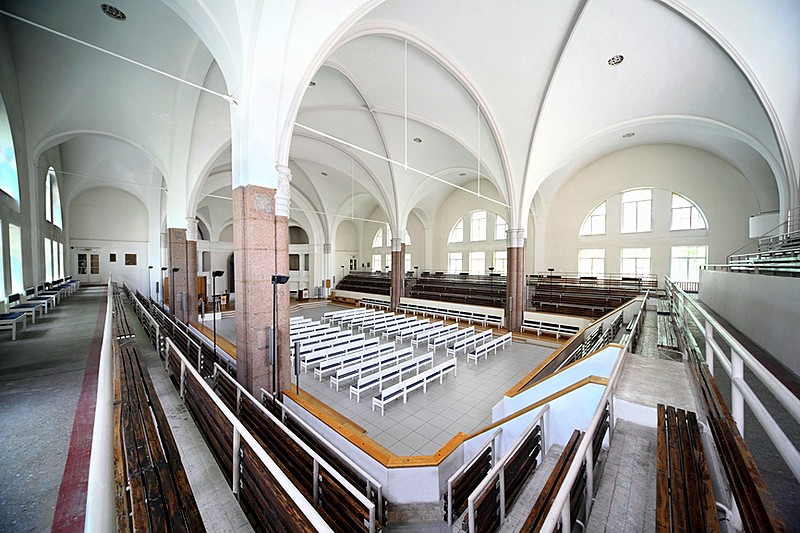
<point x="397" y="244"/>
<point x="515" y="238"/>
<point x="191" y="229"/>
<point x="282" y="195"/>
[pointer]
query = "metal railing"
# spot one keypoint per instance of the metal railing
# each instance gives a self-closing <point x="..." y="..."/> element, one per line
<point x="560" y="510"/>
<point x="100" y="496"/>
<point x="498" y="470"/>
<point x="318" y="463"/>
<point x="241" y="433"/>
<point x="685" y="310"/>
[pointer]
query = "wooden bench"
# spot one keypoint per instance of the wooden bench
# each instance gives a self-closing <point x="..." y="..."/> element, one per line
<point x="424" y="336"/>
<point x="472" y="340"/>
<point x="421" y="380"/>
<point x="334" y="363"/>
<point x="666" y="333"/>
<point x="390" y="373"/>
<point x="551" y="328"/>
<point x="447" y="338"/>
<point x="551" y="488"/>
<point x="484" y="349"/>
<point x="400" y="325"/>
<point x="159" y="496"/>
<point x="335" y="316"/>
<point x="411" y="332"/>
<point x="684" y="493"/>
<point x="373" y="364"/>
<point x="308" y="360"/>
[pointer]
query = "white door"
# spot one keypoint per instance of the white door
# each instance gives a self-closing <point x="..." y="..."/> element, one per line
<point x="94" y="268"/>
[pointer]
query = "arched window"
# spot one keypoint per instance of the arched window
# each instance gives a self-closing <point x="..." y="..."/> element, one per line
<point x="477" y="228"/>
<point x="500" y="228"/>
<point x="52" y="199"/>
<point x="377" y="242"/>
<point x="637" y="210"/>
<point x="9" y="180"/>
<point x="457" y="233"/>
<point x="407" y="239"/>
<point x="685" y="214"/>
<point x="595" y="223"/>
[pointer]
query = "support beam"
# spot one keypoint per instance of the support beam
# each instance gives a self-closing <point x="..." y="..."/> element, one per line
<point x="515" y="289"/>
<point x="398" y="274"/>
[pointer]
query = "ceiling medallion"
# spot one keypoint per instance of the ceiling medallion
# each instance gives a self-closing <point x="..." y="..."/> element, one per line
<point x="628" y="135"/>
<point x="113" y="12"/>
<point x="615" y="60"/>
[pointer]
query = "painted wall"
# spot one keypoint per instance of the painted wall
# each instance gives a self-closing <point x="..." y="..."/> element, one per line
<point x="719" y="190"/>
<point x="765" y="308"/>
<point x="110" y="221"/>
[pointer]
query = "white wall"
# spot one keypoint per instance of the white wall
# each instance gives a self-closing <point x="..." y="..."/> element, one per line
<point x="719" y="190"/>
<point x="111" y="221"/>
<point x="765" y="308"/>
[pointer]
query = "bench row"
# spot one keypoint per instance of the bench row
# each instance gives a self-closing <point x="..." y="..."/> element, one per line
<point x="483" y="317"/>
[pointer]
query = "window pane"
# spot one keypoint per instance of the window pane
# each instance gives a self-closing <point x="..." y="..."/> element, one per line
<point x="305" y="262"/>
<point x="15" y="247"/>
<point x="457" y="233"/>
<point x="9" y="182"/>
<point x="591" y="261"/>
<point x="478" y="226"/>
<point x="294" y="262"/>
<point x="636" y="210"/>
<point x="376" y="262"/>
<point x="408" y="262"/>
<point x="48" y="195"/>
<point x="595" y="223"/>
<point x="635" y="261"/>
<point x="377" y="241"/>
<point x="56" y="203"/>
<point x="407" y="239"/>
<point x="454" y="262"/>
<point x="500" y="228"/>
<point x="61" y="271"/>
<point x="477" y="262"/>
<point x="501" y="262"/>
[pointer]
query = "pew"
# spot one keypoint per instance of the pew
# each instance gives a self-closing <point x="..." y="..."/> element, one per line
<point x="390" y="373"/>
<point x="421" y="380"/>
<point x="684" y="493"/>
<point x="367" y="366"/>
<point x="334" y="363"/>
<point x="491" y="346"/>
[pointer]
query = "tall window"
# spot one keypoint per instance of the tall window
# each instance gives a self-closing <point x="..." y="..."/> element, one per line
<point x="595" y="223"/>
<point x="592" y="261"/>
<point x="48" y="260"/>
<point x="457" y="233"/>
<point x="15" y="247"/>
<point x="454" y="262"/>
<point x="477" y="263"/>
<point x="61" y="271"/>
<point x="408" y="262"/>
<point x="407" y="239"/>
<point x="686" y="215"/>
<point x="388" y="261"/>
<point x="500" y="228"/>
<point x="478" y="226"/>
<point x="9" y="181"/>
<point x="686" y="262"/>
<point x="52" y="199"/>
<point x="635" y="261"/>
<point x="2" y="274"/>
<point x="636" y="210"/>
<point x="376" y="262"/>
<point x="501" y="262"/>
<point x="377" y="241"/>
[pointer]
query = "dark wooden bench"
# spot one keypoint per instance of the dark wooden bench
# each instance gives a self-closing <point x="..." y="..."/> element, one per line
<point x="756" y="507"/>
<point x="684" y="493"/>
<point x="159" y="495"/>
<point x="463" y="485"/>
<point x="552" y="487"/>
<point x="666" y="333"/>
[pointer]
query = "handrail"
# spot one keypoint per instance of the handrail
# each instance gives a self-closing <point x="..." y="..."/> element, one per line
<point x="740" y="357"/>
<point x="498" y="466"/>
<point x="491" y="441"/>
<point x="100" y="496"/>
<point x="318" y="461"/>
<point x="788" y="222"/>
<point x="561" y="508"/>
<point x="240" y="432"/>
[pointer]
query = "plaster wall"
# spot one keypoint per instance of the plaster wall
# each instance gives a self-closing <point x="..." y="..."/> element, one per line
<point x="765" y="308"/>
<point x="720" y="191"/>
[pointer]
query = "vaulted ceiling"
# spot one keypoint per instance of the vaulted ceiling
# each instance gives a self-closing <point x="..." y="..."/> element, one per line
<point x="418" y="99"/>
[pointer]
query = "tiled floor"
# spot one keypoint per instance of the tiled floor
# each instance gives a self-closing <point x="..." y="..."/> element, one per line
<point x="420" y="427"/>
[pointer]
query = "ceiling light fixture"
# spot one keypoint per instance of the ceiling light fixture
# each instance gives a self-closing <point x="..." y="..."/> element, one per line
<point x="462" y="173"/>
<point x="615" y="60"/>
<point x="417" y="140"/>
<point x="628" y="135"/>
<point x="113" y="12"/>
<point x="324" y="173"/>
<point x="312" y="84"/>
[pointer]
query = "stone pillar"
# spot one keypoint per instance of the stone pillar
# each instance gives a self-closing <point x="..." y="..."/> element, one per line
<point x="515" y="289"/>
<point x="191" y="269"/>
<point x="398" y="274"/>
<point x="261" y="247"/>
<point x="327" y="268"/>
<point x="177" y="280"/>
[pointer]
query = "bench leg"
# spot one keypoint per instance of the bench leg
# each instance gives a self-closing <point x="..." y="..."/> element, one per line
<point x="14" y="331"/>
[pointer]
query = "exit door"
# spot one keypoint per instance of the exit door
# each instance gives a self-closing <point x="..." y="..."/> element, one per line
<point x="88" y="270"/>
